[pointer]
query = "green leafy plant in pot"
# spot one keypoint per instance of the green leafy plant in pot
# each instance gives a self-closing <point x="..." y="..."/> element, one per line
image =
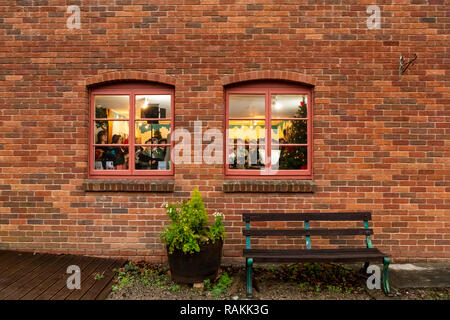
<point x="194" y="249"/>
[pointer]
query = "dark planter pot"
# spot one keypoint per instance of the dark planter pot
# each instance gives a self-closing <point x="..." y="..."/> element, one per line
<point x="198" y="266"/>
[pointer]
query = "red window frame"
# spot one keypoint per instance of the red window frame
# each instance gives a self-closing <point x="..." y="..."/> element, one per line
<point x="131" y="89"/>
<point x="269" y="88"/>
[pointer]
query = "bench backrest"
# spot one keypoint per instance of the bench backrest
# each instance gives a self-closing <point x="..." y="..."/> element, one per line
<point x="307" y="232"/>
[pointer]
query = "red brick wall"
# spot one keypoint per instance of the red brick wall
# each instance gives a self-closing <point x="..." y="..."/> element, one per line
<point x="381" y="140"/>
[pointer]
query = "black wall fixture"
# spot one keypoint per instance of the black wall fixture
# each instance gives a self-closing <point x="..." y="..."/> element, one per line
<point x="404" y="65"/>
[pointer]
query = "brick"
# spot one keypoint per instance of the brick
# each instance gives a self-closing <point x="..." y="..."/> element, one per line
<point x="254" y="7"/>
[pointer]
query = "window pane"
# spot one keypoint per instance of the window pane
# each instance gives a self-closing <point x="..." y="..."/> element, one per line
<point x="290" y="131"/>
<point x="252" y="131"/>
<point x="112" y="107"/>
<point x="111" y="158"/>
<point x="289" y="106"/>
<point x="153" y="158"/>
<point x="153" y="106"/>
<point x="247" y="106"/>
<point x="289" y="157"/>
<point x="152" y="132"/>
<point x="111" y="132"/>
<point x="242" y="155"/>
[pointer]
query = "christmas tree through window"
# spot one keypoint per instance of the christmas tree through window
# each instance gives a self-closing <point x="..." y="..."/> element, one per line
<point x="268" y="132"/>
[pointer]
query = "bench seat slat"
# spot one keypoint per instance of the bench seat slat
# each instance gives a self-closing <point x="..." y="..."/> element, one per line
<point x="332" y="216"/>
<point x="314" y="255"/>
<point x="353" y="258"/>
<point x="313" y="251"/>
<point x="303" y="232"/>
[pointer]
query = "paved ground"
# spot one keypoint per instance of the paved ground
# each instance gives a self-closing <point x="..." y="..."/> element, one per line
<point x="420" y="275"/>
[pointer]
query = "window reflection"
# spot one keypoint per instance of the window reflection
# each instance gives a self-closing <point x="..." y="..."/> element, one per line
<point x="247" y="106"/>
<point x="152" y="157"/>
<point x="289" y="157"/>
<point x="244" y="155"/>
<point x="288" y="131"/>
<point x="105" y="131"/>
<point x="252" y="130"/>
<point x="153" y="106"/>
<point x="285" y="106"/>
<point x="146" y="133"/>
<point x="111" y="158"/>
<point x="246" y="144"/>
<point x="112" y="106"/>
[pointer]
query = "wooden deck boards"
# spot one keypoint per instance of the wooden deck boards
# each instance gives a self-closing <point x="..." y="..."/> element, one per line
<point x="28" y="276"/>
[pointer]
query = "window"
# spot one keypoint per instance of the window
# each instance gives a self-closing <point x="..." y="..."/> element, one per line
<point x="130" y="127"/>
<point x="268" y="130"/>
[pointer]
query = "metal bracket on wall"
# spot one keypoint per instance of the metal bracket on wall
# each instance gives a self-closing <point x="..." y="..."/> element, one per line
<point x="404" y="65"/>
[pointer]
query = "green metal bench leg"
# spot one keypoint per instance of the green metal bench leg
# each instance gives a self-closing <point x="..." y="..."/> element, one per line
<point x="249" y="268"/>
<point x="386" y="262"/>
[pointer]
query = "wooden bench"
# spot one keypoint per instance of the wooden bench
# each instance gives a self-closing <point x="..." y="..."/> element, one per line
<point x="366" y="255"/>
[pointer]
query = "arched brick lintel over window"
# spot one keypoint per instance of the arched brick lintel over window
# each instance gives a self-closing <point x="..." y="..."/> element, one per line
<point x="269" y="75"/>
<point x="129" y="75"/>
